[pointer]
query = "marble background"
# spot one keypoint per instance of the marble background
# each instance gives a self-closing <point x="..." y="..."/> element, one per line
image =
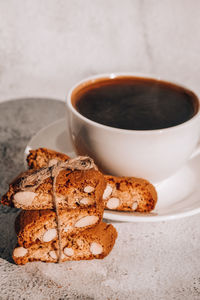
<point x="47" y="46"/>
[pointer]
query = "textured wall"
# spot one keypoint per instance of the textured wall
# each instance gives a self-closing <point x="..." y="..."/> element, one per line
<point x="46" y="46"/>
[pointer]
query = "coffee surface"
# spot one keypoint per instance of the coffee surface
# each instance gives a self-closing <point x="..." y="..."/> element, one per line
<point x="136" y="104"/>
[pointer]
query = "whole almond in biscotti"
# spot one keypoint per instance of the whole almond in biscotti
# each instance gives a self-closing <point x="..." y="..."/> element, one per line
<point x="93" y="243"/>
<point x="20" y="252"/>
<point x="78" y="184"/>
<point x="129" y="194"/>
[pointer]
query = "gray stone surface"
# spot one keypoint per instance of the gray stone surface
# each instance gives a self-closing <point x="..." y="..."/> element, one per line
<point x="149" y="261"/>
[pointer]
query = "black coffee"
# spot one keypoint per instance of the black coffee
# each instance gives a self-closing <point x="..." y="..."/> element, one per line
<point x="136" y="103"/>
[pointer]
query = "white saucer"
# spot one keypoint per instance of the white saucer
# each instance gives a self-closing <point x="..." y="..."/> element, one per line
<point x="178" y="196"/>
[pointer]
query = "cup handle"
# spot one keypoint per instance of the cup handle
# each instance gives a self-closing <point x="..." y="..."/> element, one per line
<point x="196" y="151"/>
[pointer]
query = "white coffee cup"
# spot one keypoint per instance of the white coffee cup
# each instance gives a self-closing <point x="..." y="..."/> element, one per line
<point x="151" y="154"/>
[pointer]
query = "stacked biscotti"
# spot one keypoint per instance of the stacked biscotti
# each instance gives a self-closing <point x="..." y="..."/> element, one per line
<point x="62" y="209"/>
<point x="121" y="193"/>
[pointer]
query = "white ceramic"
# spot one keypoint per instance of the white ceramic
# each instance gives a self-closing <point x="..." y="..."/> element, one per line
<point x="178" y="196"/>
<point x="151" y="154"/>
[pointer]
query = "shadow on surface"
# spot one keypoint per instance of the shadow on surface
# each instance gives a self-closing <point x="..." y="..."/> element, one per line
<point x="8" y="237"/>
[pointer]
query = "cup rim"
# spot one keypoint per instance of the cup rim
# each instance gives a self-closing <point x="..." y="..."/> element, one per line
<point x="128" y="131"/>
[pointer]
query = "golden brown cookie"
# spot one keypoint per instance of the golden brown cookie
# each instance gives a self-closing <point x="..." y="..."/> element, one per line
<point x="33" y="189"/>
<point x="96" y="242"/>
<point x="40" y="226"/>
<point x="122" y="193"/>
<point x="129" y="194"/>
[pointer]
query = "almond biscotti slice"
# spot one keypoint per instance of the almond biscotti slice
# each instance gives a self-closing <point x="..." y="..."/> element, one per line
<point x="40" y="226"/>
<point x="43" y="157"/>
<point x="78" y="184"/>
<point x="96" y="242"/>
<point x="129" y="194"/>
<point x="122" y="193"/>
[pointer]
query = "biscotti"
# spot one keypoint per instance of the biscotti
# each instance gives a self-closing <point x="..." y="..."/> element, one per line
<point x="40" y="226"/>
<point x="78" y="184"/>
<point x="129" y="194"/>
<point x="121" y="193"/>
<point x="62" y="211"/>
<point x="94" y="243"/>
<point x="43" y="157"/>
